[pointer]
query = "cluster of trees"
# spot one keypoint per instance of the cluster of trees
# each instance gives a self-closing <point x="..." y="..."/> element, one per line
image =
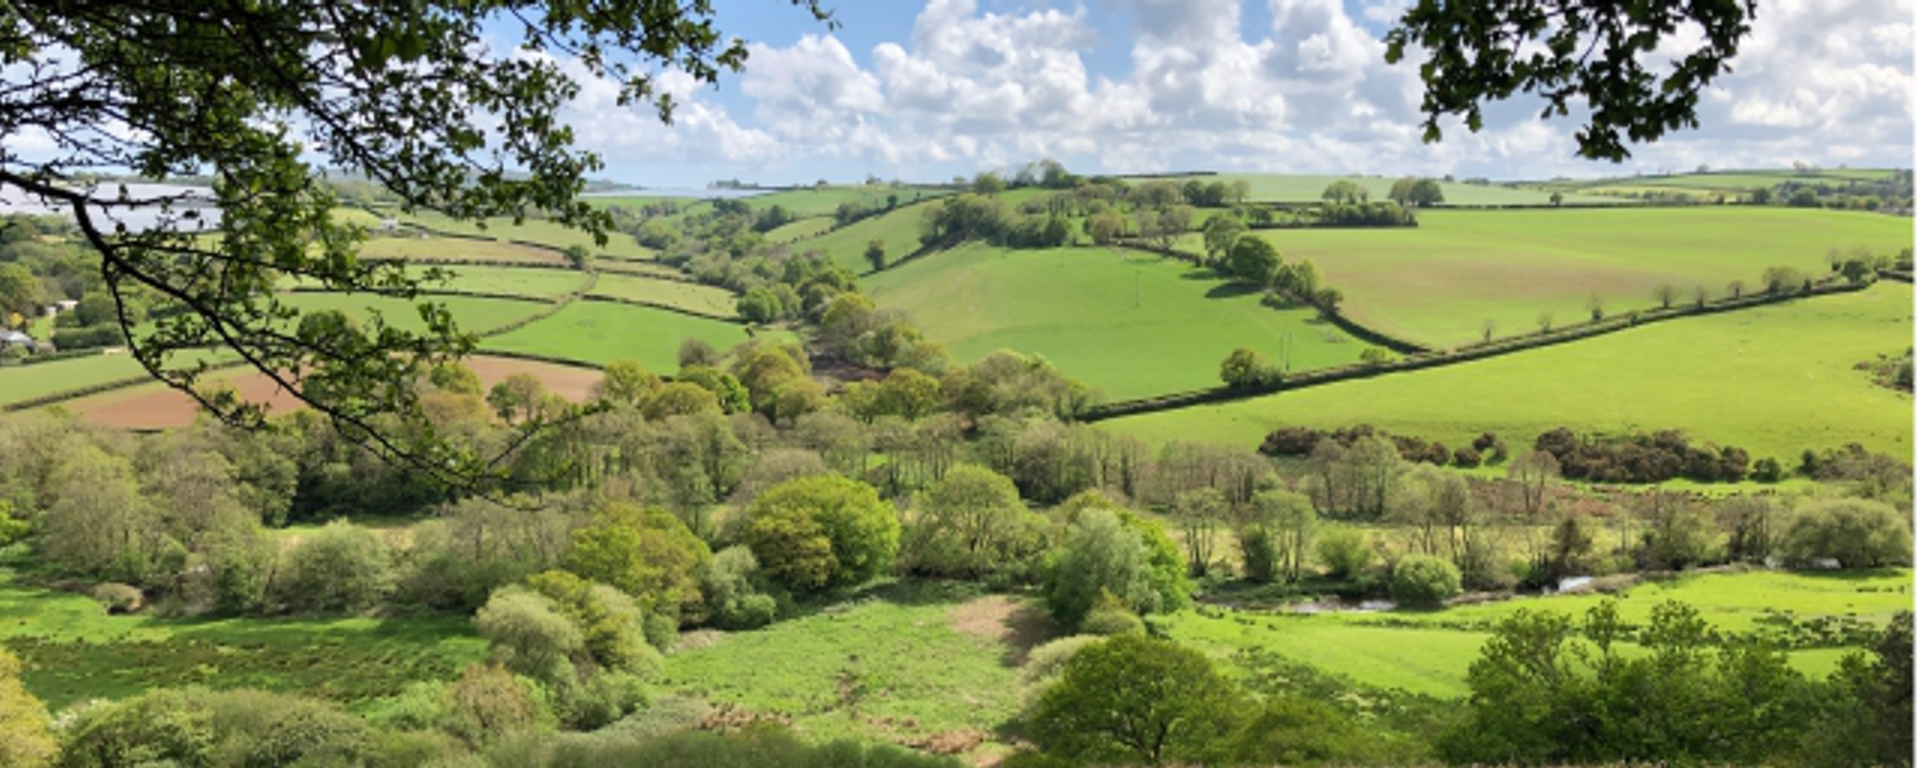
<point x="1894" y="192"/>
<point x="784" y="286"/>
<point x="1650" y="458"/>
<point x="41" y="263"/>
<point x="968" y="216"/>
<point x="850" y="211"/>
<point x="1488" y="448"/>
<point x="1549" y="690"/>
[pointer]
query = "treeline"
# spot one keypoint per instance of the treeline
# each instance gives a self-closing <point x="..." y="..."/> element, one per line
<point x="41" y="264"/>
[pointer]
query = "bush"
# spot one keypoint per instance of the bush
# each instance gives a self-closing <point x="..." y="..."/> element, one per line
<point x="1423" y="581"/>
<point x="1345" y="552"/>
<point x="528" y="635"/>
<point x="1857" y="533"/>
<point x="118" y="598"/>
<point x="733" y="601"/>
<point x="341" y="567"/>
<point x="310" y="733"/>
<point x="1101" y="559"/>
<point x="1259" y="557"/>
<point x="1107" y="621"/>
<point x="1045" y="662"/>
<point x="161" y="727"/>
<point x="822" y="532"/>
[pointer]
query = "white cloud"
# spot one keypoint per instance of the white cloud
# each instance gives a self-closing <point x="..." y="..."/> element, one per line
<point x="1819" y="80"/>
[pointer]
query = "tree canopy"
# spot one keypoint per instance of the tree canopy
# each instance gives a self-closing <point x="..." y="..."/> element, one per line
<point x="1591" y="53"/>
<point x="267" y="99"/>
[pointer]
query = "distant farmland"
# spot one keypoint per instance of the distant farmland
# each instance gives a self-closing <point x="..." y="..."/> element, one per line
<point x="1774" y="380"/>
<point x="1440" y="282"/>
<point x="1078" y="308"/>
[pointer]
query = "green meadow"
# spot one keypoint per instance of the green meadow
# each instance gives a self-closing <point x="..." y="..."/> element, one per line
<point x="896" y="662"/>
<point x="25" y="382"/>
<point x="74" y="652"/>
<point x="694" y="297"/>
<point x="1129" y="323"/>
<point x="533" y="282"/>
<point x="537" y="231"/>
<point x="601" y="332"/>
<point x="800" y="230"/>
<point x="1773" y="380"/>
<point x="898" y="230"/>
<point x="1429" y="652"/>
<point x="1440" y="282"/>
<point x="472" y="315"/>
<point x="455" y="249"/>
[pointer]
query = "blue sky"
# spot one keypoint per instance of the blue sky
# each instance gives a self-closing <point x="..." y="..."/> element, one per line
<point x="927" y="89"/>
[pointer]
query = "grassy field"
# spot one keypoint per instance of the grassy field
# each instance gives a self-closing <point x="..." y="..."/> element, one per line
<point x="74" y="651"/>
<point x="624" y="266"/>
<point x="1440" y="282"/>
<point x="1132" y="324"/>
<point x="473" y="315"/>
<point x="800" y="230"/>
<point x="538" y="231"/>
<point x="600" y="332"/>
<point x="455" y="249"/>
<point x="1288" y="188"/>
<point x="899" y="229"/>
<point x="25" y="382"/>
<point x="1774" y="380"/>
<point x="536" y="282"/>
<point x="903" y="661"/>
<point x="694" y="297"/>
<point x="1429" y="653"/>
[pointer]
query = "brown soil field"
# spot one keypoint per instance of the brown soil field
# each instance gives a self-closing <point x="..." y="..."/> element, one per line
<point x="157" y="407"/>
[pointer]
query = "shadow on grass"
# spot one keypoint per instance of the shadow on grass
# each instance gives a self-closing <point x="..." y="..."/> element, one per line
<point x="1858" y="574"/>
<point x="1232" y="290"/>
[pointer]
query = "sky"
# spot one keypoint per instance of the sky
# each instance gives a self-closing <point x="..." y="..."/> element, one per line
<point x="923" y="90"/>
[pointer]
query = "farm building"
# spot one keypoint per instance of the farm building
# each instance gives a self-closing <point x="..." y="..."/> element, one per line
<point x="15" y="339"/>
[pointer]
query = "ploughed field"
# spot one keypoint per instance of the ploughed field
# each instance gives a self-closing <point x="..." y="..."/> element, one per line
<point x="1774" y="380"/>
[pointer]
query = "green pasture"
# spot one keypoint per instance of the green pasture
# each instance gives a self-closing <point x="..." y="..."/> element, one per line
<point x="800" y="230"/>
<point x="1743" y="181"/>
<point x="74" y="652"/>
<point x="537" y="231"/>
<point x="1438" y="283"/>
<point x="534" y="282"/>
<point x="1774" y="380"/>
<point x="898" y="229"/>
<point x="601" y="332"/>
<point x="630" y="267"/>
<point x="1429" y="652"/>
<point x="1132" y="324"/>
<point x="694" y="297"/>
<point x="25" y="382"/>
<point x="454" y="249"/>
<point x="472" y="315"/>
<point x="1289" y="188"/>
<point x="892" y="664"/>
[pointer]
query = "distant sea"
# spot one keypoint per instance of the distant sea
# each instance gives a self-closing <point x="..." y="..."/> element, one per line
<point x="14" y="200"/>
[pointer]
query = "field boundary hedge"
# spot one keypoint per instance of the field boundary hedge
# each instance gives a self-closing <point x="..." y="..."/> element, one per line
<point x="1438" y="358"/>
<point x="601" y="297"/>
<point x="89" y="390"/>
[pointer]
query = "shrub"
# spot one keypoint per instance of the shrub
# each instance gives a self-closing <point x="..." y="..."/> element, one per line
<point x="1259" y="557"/>
<point x="163" y="727"/>
<point x="1345" y="552"/>
<point x="1857" y="533"/>
<point x="1424" y="581"/>
<point x="341" y="567"/>
<point x="732" y="599"/>
<point x="1101" y="559"/>
<point x="528" y="635"/>
<point x="821" y="532"/>
<point x="488" y="703"/>
<point x="1107" y="621"/>
<point x="118" y="598"/>
<point x="25" y="738"/>
<point x="310" y="733"/>
<point x="1136" y="700"/>
<point x="1045" y="662"/>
